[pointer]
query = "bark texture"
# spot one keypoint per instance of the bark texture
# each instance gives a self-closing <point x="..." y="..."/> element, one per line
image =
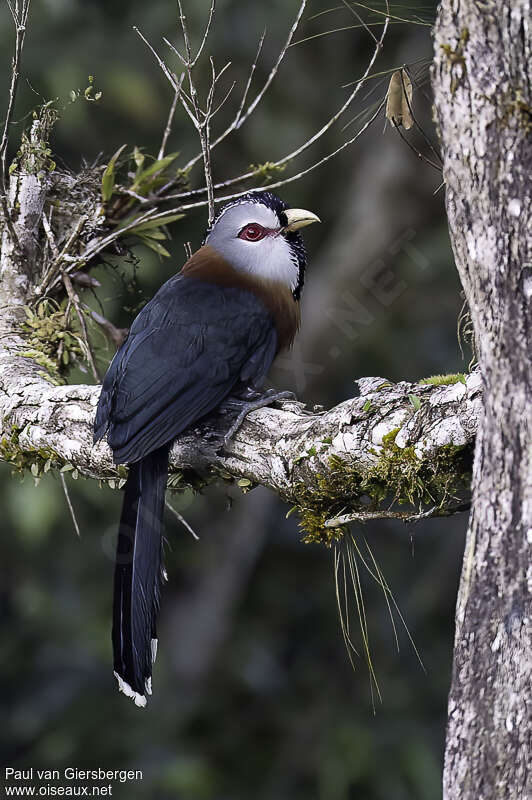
<point x="482" y="77"/>
<point x="408" y="442"/>
<point x="291" y="450"/>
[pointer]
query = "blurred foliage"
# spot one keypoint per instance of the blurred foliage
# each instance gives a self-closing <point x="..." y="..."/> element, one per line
<point x="278" y="714"/>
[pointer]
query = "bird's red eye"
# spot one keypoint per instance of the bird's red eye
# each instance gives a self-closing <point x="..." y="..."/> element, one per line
<point x="252" y="232"/>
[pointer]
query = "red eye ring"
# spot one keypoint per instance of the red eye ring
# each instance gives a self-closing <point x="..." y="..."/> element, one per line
<point x="253" y="232"/>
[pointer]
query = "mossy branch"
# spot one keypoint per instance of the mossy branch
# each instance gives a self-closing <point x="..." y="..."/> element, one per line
<point x="353" y="459"/>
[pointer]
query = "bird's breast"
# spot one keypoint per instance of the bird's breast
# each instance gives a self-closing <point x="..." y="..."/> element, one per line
<point x="209" y="266"/>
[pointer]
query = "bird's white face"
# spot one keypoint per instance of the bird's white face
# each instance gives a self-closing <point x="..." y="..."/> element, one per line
<point x="251" y="237"/>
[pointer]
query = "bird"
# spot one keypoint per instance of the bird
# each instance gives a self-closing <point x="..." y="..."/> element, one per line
<point x="207" y="337"/>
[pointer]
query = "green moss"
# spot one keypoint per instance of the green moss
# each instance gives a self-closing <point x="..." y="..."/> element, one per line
<point x="35" y="155"/>
<point x="53" y="341"/>
<point x="455" y="59"/>
<point x="444" y="380"/>
<point x="268" y="170"/>
<point x="397" y="477"/>
<point x="516" y="107"/>
<point x="37" y="461"/>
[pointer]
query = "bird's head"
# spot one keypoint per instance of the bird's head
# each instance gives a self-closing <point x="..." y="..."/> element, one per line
<point x="258" y="234"/>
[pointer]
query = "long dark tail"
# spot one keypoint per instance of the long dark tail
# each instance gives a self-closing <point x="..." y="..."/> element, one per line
<point x="139" y="574"/>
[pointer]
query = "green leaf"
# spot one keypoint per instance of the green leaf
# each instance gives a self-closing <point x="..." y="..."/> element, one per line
<point x="153" y="245"/>
<point x="139" y="158"/>
<point x="367" y="406"/>
<point x="415" y="400"/>
<point x="155" y="234"/>
<point x="108" y="177"/>
<point x="157" y="222"/>
<point x="444" y="380"/>
<point x="151" y="171"/>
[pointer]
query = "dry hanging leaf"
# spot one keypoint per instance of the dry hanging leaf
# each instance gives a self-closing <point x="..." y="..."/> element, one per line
<point x="399" y="100"/>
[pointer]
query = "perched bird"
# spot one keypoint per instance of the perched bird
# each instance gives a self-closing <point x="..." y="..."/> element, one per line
<point x="210" y="333"/>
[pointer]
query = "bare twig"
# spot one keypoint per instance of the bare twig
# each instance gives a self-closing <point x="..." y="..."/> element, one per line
<point x="79" y="313"/>
<point x="20" y="17"/>
<point x="169" y="121"/>
<point x="69" y="504"/>
<point x="85" y="280"/>
<point x="181" y="519"/>
<point x="420" y="155"/>
<point x="49" y="235"/>
<point x="359" y="18"/>
<point x="53" y="277"/>
<point x="241" y="116"/>
<point x="292" y="178"/>
<point x="404" y="516"/>
<point x="171" y="76"/>
<point x="55" y="267"/>
<point x="206" y="33"/>
<point x="416" y="123"/>
<point x="282" y="162"/>
<point x="116" y="335"/>
<point x="201" y="120"/>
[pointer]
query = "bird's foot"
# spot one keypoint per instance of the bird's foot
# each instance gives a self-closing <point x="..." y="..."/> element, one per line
<point x="250" y="401"/>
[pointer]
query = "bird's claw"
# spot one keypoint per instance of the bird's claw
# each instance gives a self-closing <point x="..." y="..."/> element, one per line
<point x="247" y="406"/>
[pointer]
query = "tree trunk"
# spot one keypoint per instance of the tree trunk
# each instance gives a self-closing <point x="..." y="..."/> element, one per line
<point x="482" y="77"/>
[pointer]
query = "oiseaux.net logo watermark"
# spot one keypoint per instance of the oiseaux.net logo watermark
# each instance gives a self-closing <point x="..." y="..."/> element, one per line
<point x="68" y="782"/>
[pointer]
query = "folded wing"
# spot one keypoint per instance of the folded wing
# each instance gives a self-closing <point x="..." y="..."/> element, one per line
<point x="187" y="349"/>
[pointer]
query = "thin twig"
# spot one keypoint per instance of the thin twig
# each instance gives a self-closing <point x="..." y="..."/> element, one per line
<point x="85" y="280"/>
<point x="357" y="16"/>
<point x="75" y="302"/>
<point x="116" y="335"/>
<point x="20" y="18"/>
<point x="405" y="516"/>
<point x="69" y="504"/>
<point x="202" y="125"/>
<point x="282" y="162"/>
<point x="181" y="519"/>
<point x="49" y="235"/>
<point x="241" y="115"/>
<point x="206" y="34"/>
<point x="420" y="155"/>
<point x="96" y="247"/>
<point x="292" y="178"/>
<point x="169" y="121"/>
<point x="59" y="257"/>
<point x="170" y="75"/>
<point x="416" y="123"/>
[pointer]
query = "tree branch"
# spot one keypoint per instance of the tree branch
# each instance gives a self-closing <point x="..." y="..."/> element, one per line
<point x="335" y="455"/>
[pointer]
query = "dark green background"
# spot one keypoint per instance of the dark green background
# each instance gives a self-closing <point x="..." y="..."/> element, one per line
<point x="254" y="696"/>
